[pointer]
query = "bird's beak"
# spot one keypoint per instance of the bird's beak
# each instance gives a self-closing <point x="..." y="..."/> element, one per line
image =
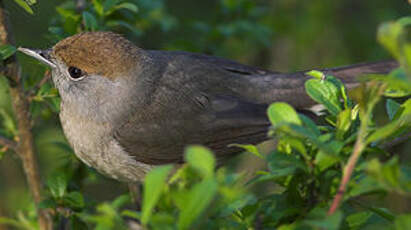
<point x="41" y="55"/>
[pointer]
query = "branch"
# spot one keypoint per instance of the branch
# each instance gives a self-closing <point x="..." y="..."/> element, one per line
<point x="25" y="147"/>
<point x="43" y="81"/>
<point x="359" y="146"/>
<point x="9" y="144"/>
<point x="348" y="169"/>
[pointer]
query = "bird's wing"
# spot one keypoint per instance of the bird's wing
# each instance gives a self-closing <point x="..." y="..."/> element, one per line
<point x="192" y="103"/>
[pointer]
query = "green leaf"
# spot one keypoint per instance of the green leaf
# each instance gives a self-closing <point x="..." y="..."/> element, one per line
<point x="66" y="13"/>
<point x="129" y="6"/>
<point x="6" y="51"/>
<point x="153" y="186"/>
<point x="317" y="74"/>
<point x="90" y="22"/>
<point x="126" y="5"/>
<point x="281" y="112"/>
<point x="334" y="146"/>
<point x="310" y="125"/>
<point x="26" y="5"/>
<point x="324" y="161"/>
<point x="318" y="219"/>
<point x="398" y="84"/>
<point x="31" y="2"/>
<point x="407" y="56"/>
<point x="297" y="144"/>
<point x="365" y="185"/>
<point x="12" y="222"/>
<point x="406" y="108"/>
<point x="248" y="148"/>
<point x="389" y="175"/>
<point x="237" y="204"/>
<point x="343" y="123"/>
<point x="404" y="21"/>
<point x="387" y="35"/>
<point x="201" y="159"/>
<point x="292" y="226"/>
<point x="57" y="183"/>
<point x="131" y="214"/>
<point x="109" y="4"/>
<point x="395" y="37"/>
<point x="8" y="122"/>
<point x="74" y="200"/>
<point x="390" y="129"/>
<point x="403" y="222"/>
<point x="298" y="131"/>
<point x="198" y="199"/>
<point x="382" y="212"/>
<point x="120" y="201"/>
<point x="356" y="220"/>
<point x="281" y="164"/>
<point x="392" y="108"/>
<point x="98" y="6"/>
<point x="329" y="151"/>
<point x="324" y="92"/>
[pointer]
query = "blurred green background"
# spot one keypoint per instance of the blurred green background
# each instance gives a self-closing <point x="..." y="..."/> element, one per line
<point x="282" y="35"/>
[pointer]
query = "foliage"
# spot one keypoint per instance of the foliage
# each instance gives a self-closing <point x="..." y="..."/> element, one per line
<point x="26" y="5"/>
<point x="303" y="171"/>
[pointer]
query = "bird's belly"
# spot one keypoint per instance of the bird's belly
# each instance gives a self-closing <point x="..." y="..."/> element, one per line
<point x="94" y="145"/>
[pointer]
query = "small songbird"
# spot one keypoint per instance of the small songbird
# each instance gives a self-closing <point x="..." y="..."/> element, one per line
<point x="125" y="109"/>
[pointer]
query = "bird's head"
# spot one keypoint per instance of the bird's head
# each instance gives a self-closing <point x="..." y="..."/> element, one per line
<point x="91" y="67"/>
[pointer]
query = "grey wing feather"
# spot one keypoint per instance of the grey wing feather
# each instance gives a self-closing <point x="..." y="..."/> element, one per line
<point x="193" y="104"/>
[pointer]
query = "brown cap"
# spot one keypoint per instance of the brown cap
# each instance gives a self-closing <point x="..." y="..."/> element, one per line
<point x="103" y="53"/>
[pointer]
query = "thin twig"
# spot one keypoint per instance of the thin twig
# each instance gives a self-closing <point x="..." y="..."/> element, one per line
<point x="43" y="81"/>
<point x="9" y="144"/>
<point x="25" y="146"/>
<point x="359" y="146"/>
<point x="348" y="169"/>
<point x="80" y="7"/>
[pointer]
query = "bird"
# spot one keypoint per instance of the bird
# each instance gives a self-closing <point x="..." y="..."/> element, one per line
<point x="125" y="110"/>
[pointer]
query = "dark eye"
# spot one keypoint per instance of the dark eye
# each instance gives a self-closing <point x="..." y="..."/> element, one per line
<point x="75" y="73"/>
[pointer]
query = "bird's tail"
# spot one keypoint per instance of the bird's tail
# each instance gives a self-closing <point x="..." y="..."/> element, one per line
<point x="349" y="74"/>
<point x="290" y="87"/>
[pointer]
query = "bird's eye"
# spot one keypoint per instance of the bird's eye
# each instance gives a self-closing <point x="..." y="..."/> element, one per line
<point x="75" y="73"/>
